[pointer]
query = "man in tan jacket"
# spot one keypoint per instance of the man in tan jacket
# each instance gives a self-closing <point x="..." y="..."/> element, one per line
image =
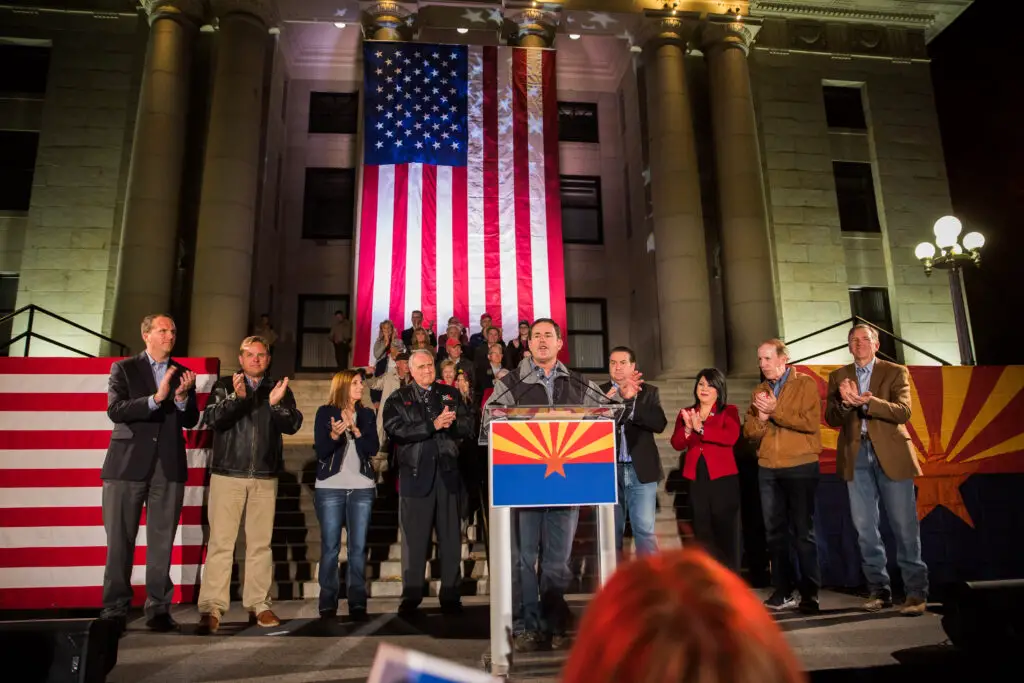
<point x="869" y="400"/>
<point x="785" y="420"/>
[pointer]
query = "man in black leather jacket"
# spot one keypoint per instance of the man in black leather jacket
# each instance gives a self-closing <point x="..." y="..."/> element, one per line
<point x="424" y="420"/>
<point x="248" y="413"/>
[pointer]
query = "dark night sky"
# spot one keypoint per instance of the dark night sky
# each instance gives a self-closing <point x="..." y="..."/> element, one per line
<point x="978" y="74"/>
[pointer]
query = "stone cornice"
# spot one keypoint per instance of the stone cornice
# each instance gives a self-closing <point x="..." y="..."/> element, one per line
<point x="782" y="8"/>
<point x="387" y="14"/>
<point x="534" y="21"/>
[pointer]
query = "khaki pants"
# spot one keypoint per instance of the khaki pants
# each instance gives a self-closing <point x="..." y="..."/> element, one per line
<point x="229" y="498"/>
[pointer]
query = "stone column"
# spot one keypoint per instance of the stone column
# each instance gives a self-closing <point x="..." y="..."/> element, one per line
<point x="534" y="27"/>
<point x="750" y="312"/>
<point x="227" y="205"/>
<point x="387" y="20"/>
<point x="149" y="230"/>
<point x="684" y="304"/>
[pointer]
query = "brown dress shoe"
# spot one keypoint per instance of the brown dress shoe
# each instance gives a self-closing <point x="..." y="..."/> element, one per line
<point x="914" y="607"/>
<point x="208" y="624"/>
<point x="265" y="619"/>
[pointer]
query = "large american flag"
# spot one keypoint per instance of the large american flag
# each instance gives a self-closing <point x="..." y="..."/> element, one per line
<point x="54" y="434"/>
<point x="460" y="201"/>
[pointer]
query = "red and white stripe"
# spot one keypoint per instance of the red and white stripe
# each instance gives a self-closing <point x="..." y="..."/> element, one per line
<point x="486" y="237"/>
<point x="54" y="434"/>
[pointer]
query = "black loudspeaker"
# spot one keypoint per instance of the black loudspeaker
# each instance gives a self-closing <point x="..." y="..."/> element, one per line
<point x="986" y="616"/>
<point x="59" y="651"/>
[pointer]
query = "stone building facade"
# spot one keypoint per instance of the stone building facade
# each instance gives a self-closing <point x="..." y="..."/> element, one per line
<point x="755" y="168"/>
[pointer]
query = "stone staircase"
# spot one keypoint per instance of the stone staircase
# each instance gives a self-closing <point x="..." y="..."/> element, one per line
<point x="296" y="539"/>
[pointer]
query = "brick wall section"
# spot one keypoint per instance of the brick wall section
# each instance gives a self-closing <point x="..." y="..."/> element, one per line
<point x="811" y="263"/>
<point x="79" y="171"/>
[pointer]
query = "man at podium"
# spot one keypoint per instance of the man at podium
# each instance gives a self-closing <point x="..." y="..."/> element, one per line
<point x="540" y="613"/>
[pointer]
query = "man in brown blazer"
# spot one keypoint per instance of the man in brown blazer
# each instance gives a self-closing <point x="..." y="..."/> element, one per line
<point x="869" y="401"/>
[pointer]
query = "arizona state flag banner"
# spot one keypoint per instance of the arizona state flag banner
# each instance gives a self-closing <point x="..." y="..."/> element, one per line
<point x="540" y="463"/>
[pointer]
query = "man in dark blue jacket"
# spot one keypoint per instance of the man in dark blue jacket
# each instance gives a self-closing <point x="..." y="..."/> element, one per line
<point x="424" y="420"/>
<point x="150" y="399"/>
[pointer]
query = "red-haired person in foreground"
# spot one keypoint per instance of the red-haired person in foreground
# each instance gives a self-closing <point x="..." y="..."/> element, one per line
<point x="679" y="617"/>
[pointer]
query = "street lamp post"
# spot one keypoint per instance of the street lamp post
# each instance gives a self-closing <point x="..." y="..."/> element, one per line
<point x="952" y="255"/>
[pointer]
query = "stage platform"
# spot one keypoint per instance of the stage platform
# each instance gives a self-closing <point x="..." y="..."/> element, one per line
<point x="840" y="644"/>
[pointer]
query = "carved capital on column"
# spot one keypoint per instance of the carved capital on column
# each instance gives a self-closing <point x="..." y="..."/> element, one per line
<point x="668" y="26"/>
<point x="722" y="31"/>
<point x="534" y="26"/>
<point x="387" y="20"/>
<point x="263" y="10"/>
<point x="191" y="10"/>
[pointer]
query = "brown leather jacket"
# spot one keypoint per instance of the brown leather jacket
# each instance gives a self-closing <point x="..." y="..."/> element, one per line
<point x="792" y="435"/>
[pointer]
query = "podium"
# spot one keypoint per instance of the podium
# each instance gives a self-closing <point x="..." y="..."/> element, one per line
<point x="544" y="456"/>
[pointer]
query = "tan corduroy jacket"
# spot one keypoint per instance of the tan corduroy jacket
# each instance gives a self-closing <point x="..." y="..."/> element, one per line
<point x="792" y="436"/>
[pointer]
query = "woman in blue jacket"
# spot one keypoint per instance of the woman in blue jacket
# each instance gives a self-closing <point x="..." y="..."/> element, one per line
<point x="345" y="440"/>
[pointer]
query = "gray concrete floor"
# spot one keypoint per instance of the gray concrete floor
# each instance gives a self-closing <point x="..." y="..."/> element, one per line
<point x="303" y="649"/>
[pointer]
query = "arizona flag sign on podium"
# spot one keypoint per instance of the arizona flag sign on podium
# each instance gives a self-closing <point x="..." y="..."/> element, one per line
<point x="542" y="463"/>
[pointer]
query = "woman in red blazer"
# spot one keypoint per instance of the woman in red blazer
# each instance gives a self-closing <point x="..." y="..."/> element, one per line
<point x="707" y="432"/>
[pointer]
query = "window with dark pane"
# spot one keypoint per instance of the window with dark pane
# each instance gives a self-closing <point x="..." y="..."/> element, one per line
<point x="8" y="298"/>
<point x="855" y="194"/>
<point x="333" y="112"/>
<point x="581" y="209"/>
<point x="577" y="121"/>
<point x="872" y="304"/>
<point x="17" y="167"/>
<point x="23" y="69"/>
<point x="586" y="334"/>
<point x="844" y="108"/>
<point x="315" y="352"/>
<point x="329" y="203"/>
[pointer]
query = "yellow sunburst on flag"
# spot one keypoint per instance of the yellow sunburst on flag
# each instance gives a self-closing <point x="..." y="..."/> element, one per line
<point x="964" y="420"/>
<point x="553" y="443"/>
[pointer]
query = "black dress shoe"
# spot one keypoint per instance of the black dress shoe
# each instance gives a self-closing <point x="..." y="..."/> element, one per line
<point x="408" y="609"/>
<point x="118" y="624"/>
<point x="328" y="614"/>
<point x="162" y="623"/>
<point x="451" y="607"/>
<point x="358" y="614"/>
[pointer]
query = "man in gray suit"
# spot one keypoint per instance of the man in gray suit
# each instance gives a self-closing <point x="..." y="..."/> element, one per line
<point x="150" y="399"/>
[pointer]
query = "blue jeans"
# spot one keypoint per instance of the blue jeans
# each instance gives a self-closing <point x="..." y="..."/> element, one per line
<point x="549" y="531"/>
<point x="639" y="502"/>
<point x="870" y="484"/>
<point x="336" y="508"/>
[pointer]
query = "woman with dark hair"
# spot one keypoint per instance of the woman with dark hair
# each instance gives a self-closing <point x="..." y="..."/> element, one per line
<point x="707" y="432"/>
<point x="679" y="617"/>
<point x="345" y="440"/>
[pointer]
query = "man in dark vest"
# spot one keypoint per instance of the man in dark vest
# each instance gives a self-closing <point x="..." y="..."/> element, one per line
<point x="540" y="610"/>
<point x="424" y="420"/>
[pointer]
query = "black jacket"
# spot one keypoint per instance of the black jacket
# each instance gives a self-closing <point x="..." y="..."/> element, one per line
<point x="643" y="417"/>
<point x="420" y="450"/>
<point x="330" y="454"/>
<point x="247" y="431"/>
<point x="143" y="437"/>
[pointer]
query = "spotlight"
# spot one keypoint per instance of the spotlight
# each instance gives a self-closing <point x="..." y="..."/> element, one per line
<point x="339" y="24"/>
<point x="462" y="29"/>
<point x="574" y="36"/>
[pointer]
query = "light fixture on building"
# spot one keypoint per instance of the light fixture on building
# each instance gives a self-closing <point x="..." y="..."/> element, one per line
<point x="207" y="28"/>
<point x="340" y="24"/>
<point x="462" y="29"/>
<point x="274" y="30"/>
<point x="574" y="36"/>
<point x="950" y="254"/>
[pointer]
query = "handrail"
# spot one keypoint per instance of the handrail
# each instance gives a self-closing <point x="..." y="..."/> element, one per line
<point x="857" y="320"/>
<point x="28" y="334"/>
